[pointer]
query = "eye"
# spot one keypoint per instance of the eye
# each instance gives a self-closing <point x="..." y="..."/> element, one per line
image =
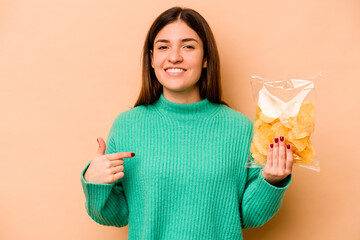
<point x="189" y="47"/>
<point x="162" y="47"/>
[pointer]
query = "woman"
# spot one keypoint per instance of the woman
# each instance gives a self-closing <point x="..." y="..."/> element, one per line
<point x="187" y="179"/>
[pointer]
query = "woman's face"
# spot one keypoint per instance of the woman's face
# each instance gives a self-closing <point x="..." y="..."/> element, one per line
<point x="177" y="59"/>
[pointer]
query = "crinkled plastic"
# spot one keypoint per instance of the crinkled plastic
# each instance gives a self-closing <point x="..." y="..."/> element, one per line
<point x="284" y="108"/>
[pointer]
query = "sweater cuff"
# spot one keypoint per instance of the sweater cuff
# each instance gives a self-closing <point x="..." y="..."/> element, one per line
<point x="273" y="194"/>
<point x="94" y="189"/>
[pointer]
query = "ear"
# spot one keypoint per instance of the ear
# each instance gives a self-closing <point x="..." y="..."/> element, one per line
<point x="151" y="56"/>
<point x="205" y="63"/>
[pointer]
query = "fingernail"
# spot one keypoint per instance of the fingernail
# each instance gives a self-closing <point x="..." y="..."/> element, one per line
<point x="132" y="154"/>
<point x="288" y="146"/>
<point x="97" y="140"/>
<point x="271" y="145"/>
<point x="276" y="140"/>
<point x="281" y="138"/>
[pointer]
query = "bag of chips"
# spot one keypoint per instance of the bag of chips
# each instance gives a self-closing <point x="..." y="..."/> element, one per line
<point x="284" y="108"/>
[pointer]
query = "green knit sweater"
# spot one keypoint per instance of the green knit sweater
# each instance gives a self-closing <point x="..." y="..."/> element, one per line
<point x="187" y="179"/>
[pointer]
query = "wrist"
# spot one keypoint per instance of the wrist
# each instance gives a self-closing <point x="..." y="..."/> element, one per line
<point x="86" y="177"/>
<point x="273" y="181"/>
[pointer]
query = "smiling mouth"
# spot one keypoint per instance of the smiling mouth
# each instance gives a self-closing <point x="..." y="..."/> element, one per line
<point x="175" y="70"/>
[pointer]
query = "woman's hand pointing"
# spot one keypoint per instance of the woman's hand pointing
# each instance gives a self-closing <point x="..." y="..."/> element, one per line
<point x="106" y="168"/>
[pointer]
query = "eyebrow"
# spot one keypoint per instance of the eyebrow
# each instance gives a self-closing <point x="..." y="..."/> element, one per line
<point x="182" y="40"/>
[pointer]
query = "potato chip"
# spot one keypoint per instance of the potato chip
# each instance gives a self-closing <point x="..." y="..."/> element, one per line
<point x="307" y="155"/>
<point x="253" y="148"/>
<point x="264" y="130"/>
<point x="258" y="123"/>
<point x="299" y="144"/>
<point x="258" y="158"/>
<point x="261" y="143"/>
<point x="278" y="130"/>
<point x="296" y="130"/>
<point x="290" y="122"/>
<point x="303" y="124"/>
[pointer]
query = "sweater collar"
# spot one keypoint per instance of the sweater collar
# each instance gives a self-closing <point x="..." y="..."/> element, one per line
<point x="189" y="111"/>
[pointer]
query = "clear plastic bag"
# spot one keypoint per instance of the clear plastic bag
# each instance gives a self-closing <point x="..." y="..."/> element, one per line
<point x="284" y="108"/>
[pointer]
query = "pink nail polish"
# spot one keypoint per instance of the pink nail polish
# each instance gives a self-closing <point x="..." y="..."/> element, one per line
<point x="276" y="140"/>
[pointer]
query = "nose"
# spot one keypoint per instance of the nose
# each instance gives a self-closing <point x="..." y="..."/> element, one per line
<point x="175" y="56"/>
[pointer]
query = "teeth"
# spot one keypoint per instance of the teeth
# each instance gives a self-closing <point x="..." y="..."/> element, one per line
<point x="174" y="70"/>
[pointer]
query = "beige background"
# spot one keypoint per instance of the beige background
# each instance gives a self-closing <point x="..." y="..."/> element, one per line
<point x="68" y="68"/>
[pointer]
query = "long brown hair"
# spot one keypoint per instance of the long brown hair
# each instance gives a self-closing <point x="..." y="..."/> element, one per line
<point x="209" y="82"/>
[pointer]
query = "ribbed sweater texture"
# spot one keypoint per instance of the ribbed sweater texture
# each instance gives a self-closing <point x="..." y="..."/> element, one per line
<point x="187" y="179"/>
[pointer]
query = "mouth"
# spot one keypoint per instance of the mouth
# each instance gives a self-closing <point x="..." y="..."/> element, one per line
<point x="174" y="70"/>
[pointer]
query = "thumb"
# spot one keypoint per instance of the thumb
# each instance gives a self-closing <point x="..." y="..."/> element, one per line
<point x="102" y="146"/>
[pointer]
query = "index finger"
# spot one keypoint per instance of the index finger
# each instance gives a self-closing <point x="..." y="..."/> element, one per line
<point x="119" y="155"/>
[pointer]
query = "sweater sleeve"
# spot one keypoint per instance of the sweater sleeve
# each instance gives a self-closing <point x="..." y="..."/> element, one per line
<point x="261" y="200"/>
<point x="106" y="203"/>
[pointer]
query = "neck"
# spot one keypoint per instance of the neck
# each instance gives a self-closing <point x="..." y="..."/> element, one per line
<point x="183" y="97"/>
<point x="185" y="112"/>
